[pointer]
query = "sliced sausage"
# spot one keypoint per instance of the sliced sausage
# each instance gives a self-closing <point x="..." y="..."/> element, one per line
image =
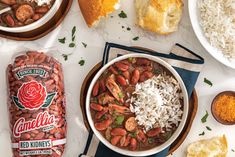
<point x="24" y="12"/>
<point x="130" y="124"/>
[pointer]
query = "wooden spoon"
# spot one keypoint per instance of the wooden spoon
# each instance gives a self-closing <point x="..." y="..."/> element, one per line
<point x="217" y="118"/>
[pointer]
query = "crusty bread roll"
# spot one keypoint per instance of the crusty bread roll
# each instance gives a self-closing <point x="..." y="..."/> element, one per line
<point x="214" y="147"/>
<point x="160" y="16"/>
<point x="93" y="10"/>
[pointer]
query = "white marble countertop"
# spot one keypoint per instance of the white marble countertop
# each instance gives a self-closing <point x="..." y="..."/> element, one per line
<point x="222" y="77"/>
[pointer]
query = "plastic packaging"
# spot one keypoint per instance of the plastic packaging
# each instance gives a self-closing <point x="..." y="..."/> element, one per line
<point x="36" y="102"/>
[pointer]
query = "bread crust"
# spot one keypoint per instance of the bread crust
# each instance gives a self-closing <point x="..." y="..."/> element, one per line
<point x="93" y="10"/>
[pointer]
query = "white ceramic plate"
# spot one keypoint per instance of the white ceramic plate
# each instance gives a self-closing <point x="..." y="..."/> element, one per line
<point x="36" y="24"/>
<point x="194" y="14"/>
<point x="158" y="148"/>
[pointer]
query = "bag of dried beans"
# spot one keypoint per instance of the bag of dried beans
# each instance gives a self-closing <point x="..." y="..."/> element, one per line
<point x="36" y="102"/>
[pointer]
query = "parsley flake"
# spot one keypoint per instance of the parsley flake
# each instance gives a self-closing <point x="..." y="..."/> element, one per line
<point x="202" y="134"/>
<point x="103" y="118"/>
<point x="119" y="120"/>
<point x="84" y="44"/>
<point x="73" y="32"/>
<point x="120" y="95"/>
<point x="150" y="140"/>
<point x="135" y="38"/>
<point x="72" y="45"/>
<point x="73" y="38"/>
<point x="133" y="135"/>
<point x="208" y="82"/>
<point x="65" y="56"/>
<point x="128" y="28"/>
<point x="204" y="118"/>
<point x="122" y="14"/>
<point x="208" y="128"/>
<point x="81" y="62"/>
<point x="62" y="40"/>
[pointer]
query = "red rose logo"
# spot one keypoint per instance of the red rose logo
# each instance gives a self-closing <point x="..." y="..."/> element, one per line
<point x="32" y="95"/>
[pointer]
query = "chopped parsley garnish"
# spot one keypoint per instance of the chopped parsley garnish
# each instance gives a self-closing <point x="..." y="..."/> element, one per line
<point x="72" y="45"/>
<point x="133" y="135"/>
<point x="81" y="62"/>
<point x="204" y="118"/>
<point x="202" y="134"/>
<point x="96" y="100"/>
<point x="84" y="44"/>
<point x="119" y="120"/>
<point x="150" y="140"/>
<point x="232" y="150"/>
<point x="114" y="125"/>
<point x="208" y="128"/>
<point x="118" y="103"/>
<point x="123" y="27"/>
<point x="122" y="14"/>
<point x="208" y="82"/>
<point x="128" y="28"/>
<point x="103" y="118"/>
<point x="62" y="40"/>
<point x="73" y="38"/>
<point x="135" y="38"/>
<point x="120" y="95"/>
<point x="73" y="33"/>
<point x="66" y="56"/>
<point x="119" y="72"/>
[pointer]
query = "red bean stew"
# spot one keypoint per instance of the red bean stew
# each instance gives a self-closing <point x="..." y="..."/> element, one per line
<point x="23" y="12"/>
<point x="110" y="110"/>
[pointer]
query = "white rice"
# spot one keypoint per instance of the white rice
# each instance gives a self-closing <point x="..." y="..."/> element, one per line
<point x="218" y="23"/>
<point x="156" y="103"/>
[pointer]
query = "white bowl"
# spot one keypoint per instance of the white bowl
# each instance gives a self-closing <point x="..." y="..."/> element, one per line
<point x="37" y="23"/>
<point x="158" y="148"/>
<point x="194" y="14"/>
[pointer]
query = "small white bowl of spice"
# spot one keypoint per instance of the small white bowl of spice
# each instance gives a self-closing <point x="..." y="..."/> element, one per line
<point x="27" y="15"/>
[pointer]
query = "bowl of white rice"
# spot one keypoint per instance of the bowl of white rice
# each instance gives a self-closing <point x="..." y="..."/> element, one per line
<point x="213" y="22"/>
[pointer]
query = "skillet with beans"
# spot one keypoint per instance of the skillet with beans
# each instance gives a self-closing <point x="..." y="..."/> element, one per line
<point x="23" y="12"/>
<point x="110" y="105"/>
